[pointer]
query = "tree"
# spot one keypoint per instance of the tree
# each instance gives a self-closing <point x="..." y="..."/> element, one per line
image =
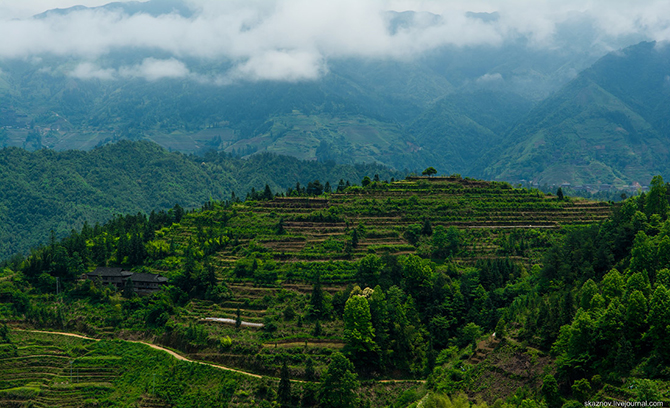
<point x="559" y="194"/>
<point x="368" y="270"/>
<point x="267" y="193"/>
<point x="340" y="186"/>
<point x="581" y="389"/>
<point x="656" y="202"/>
<point x="280" y="227"/>
<point x="636" y="315"/>
<point x="4" y="334"/>
<point x="128" y="289"/>
<point x="471" y="333"/>
<point x="427" y="228"/>
<point x="659" y="321"/>
<point x="366" y="181"/>
<point x="238" y="318"/>
<point x="310" y="373"/>
<point x="550" y="390"/>
<point x="317" y="331"/>
<point x="613" y="285"/>
<point x="445" y="242"/>
<point x="177" y="213"/>
<point x="501" y="329"/>
<point x="430" y="171"/>
<point x="317" y="302"/>
<point x="284" y="389"/>
<point x="338" y="384"/>
<point x="358" y="331"/>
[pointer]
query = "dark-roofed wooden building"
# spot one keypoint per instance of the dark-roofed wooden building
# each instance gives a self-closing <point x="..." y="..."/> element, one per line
<point x="143" y="283"/>
<point x="110" y="276"/>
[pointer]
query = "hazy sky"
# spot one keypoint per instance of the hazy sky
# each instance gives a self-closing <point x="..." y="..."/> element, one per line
<point x="294" y="39"/>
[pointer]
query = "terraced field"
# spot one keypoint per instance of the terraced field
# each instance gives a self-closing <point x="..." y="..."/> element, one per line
<point x="484" y="212"/>
<point x="273" y="249"/>
<point x="52" y="372"/>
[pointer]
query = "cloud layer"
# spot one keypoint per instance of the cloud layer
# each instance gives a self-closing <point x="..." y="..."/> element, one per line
<point x="294" y="39"/>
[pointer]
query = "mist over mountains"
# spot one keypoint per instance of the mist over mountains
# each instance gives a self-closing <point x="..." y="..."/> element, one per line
<point x="507" y="92"/>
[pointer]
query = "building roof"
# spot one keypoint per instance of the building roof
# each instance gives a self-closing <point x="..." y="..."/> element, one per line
<point x="148" y="277"/>
<point x="109" y="272"/>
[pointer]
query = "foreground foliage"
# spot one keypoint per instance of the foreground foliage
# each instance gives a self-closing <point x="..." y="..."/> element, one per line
<point x="403" y="280"/>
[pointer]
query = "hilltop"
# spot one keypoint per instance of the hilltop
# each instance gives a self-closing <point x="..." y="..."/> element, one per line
<point x="45" y="190"/>
<point x="407" y="280"/>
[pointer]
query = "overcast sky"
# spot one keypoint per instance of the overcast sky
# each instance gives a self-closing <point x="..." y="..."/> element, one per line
<point x="294" y="39"/>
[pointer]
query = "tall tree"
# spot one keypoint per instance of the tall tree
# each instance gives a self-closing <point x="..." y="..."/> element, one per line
<point x="659" y="322"/>
<point x="657" y="202"/>
<point x="358" y="331"/>
<point x="284" y="390"/>
<point x="317" y="301"/>
<point x="339" y="384"/>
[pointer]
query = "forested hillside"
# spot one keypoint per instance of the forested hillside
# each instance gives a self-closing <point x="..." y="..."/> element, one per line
<point x="609" y="125"/>
<point x="45" y="191"/>
<point x="401" y="280"/>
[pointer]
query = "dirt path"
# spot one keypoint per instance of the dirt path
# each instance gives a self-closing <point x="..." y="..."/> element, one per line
<point x="153" y="346"/>
<point x="182" y="358"/>
<point x="232" y="321"/>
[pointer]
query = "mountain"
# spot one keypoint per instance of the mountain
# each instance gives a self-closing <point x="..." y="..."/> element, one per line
<point x="46" y="191"/>
<point x="455" y="128"/>
<point x="608" y="125"/>
<point x="434" y="109"/>
<point x="151" y="7"/>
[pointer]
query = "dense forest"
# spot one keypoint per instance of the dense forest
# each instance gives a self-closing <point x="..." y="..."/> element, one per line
<point x="463" y="299"/>
<point x="45" y="192"/>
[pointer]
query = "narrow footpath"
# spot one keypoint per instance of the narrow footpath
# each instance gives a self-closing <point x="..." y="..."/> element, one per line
<point x="153" y="346"/>
<point x="182" y="358"/>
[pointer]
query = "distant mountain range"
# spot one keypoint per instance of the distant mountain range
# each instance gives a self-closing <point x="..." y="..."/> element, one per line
<point x="610" y="124"/>
<point x="46" y="191"/>
<point x="511" y="112"/>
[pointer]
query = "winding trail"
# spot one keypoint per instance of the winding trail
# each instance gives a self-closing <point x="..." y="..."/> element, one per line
<point x="153" y="346"/>
<point x="182" y="358"/>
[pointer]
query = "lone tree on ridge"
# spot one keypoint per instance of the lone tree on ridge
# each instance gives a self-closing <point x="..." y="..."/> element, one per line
<point x="430" y="171"/>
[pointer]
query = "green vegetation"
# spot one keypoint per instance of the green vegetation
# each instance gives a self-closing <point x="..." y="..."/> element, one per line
<point x="393" y="281"/>
<point x="608" y="125"/>
<point x="45" y="192"/>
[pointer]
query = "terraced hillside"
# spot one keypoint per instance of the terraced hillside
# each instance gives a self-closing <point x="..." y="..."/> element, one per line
<point x="276" y="285"/>
<point x="269" y="252"/>
<point x="51" y="370"/>
<point x="491" y="219"/>
<point x="42" y="369"/>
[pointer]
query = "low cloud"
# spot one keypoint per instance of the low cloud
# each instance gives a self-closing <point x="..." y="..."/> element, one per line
<point x="293" y="40"/>
<point x="153" y="69"/>
<point x="279" y="65"/>
<point x="150" y="69"/>
<point x="88" y="70"/>
<point x="490" y="78"/>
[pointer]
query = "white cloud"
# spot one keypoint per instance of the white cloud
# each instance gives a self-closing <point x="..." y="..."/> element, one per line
<point x="294" y="39"/>
<point x="281" y="65"/>
<point x="88" y="70"/>
<point x="490" y="77"/>
<point x="153" y="69"/>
